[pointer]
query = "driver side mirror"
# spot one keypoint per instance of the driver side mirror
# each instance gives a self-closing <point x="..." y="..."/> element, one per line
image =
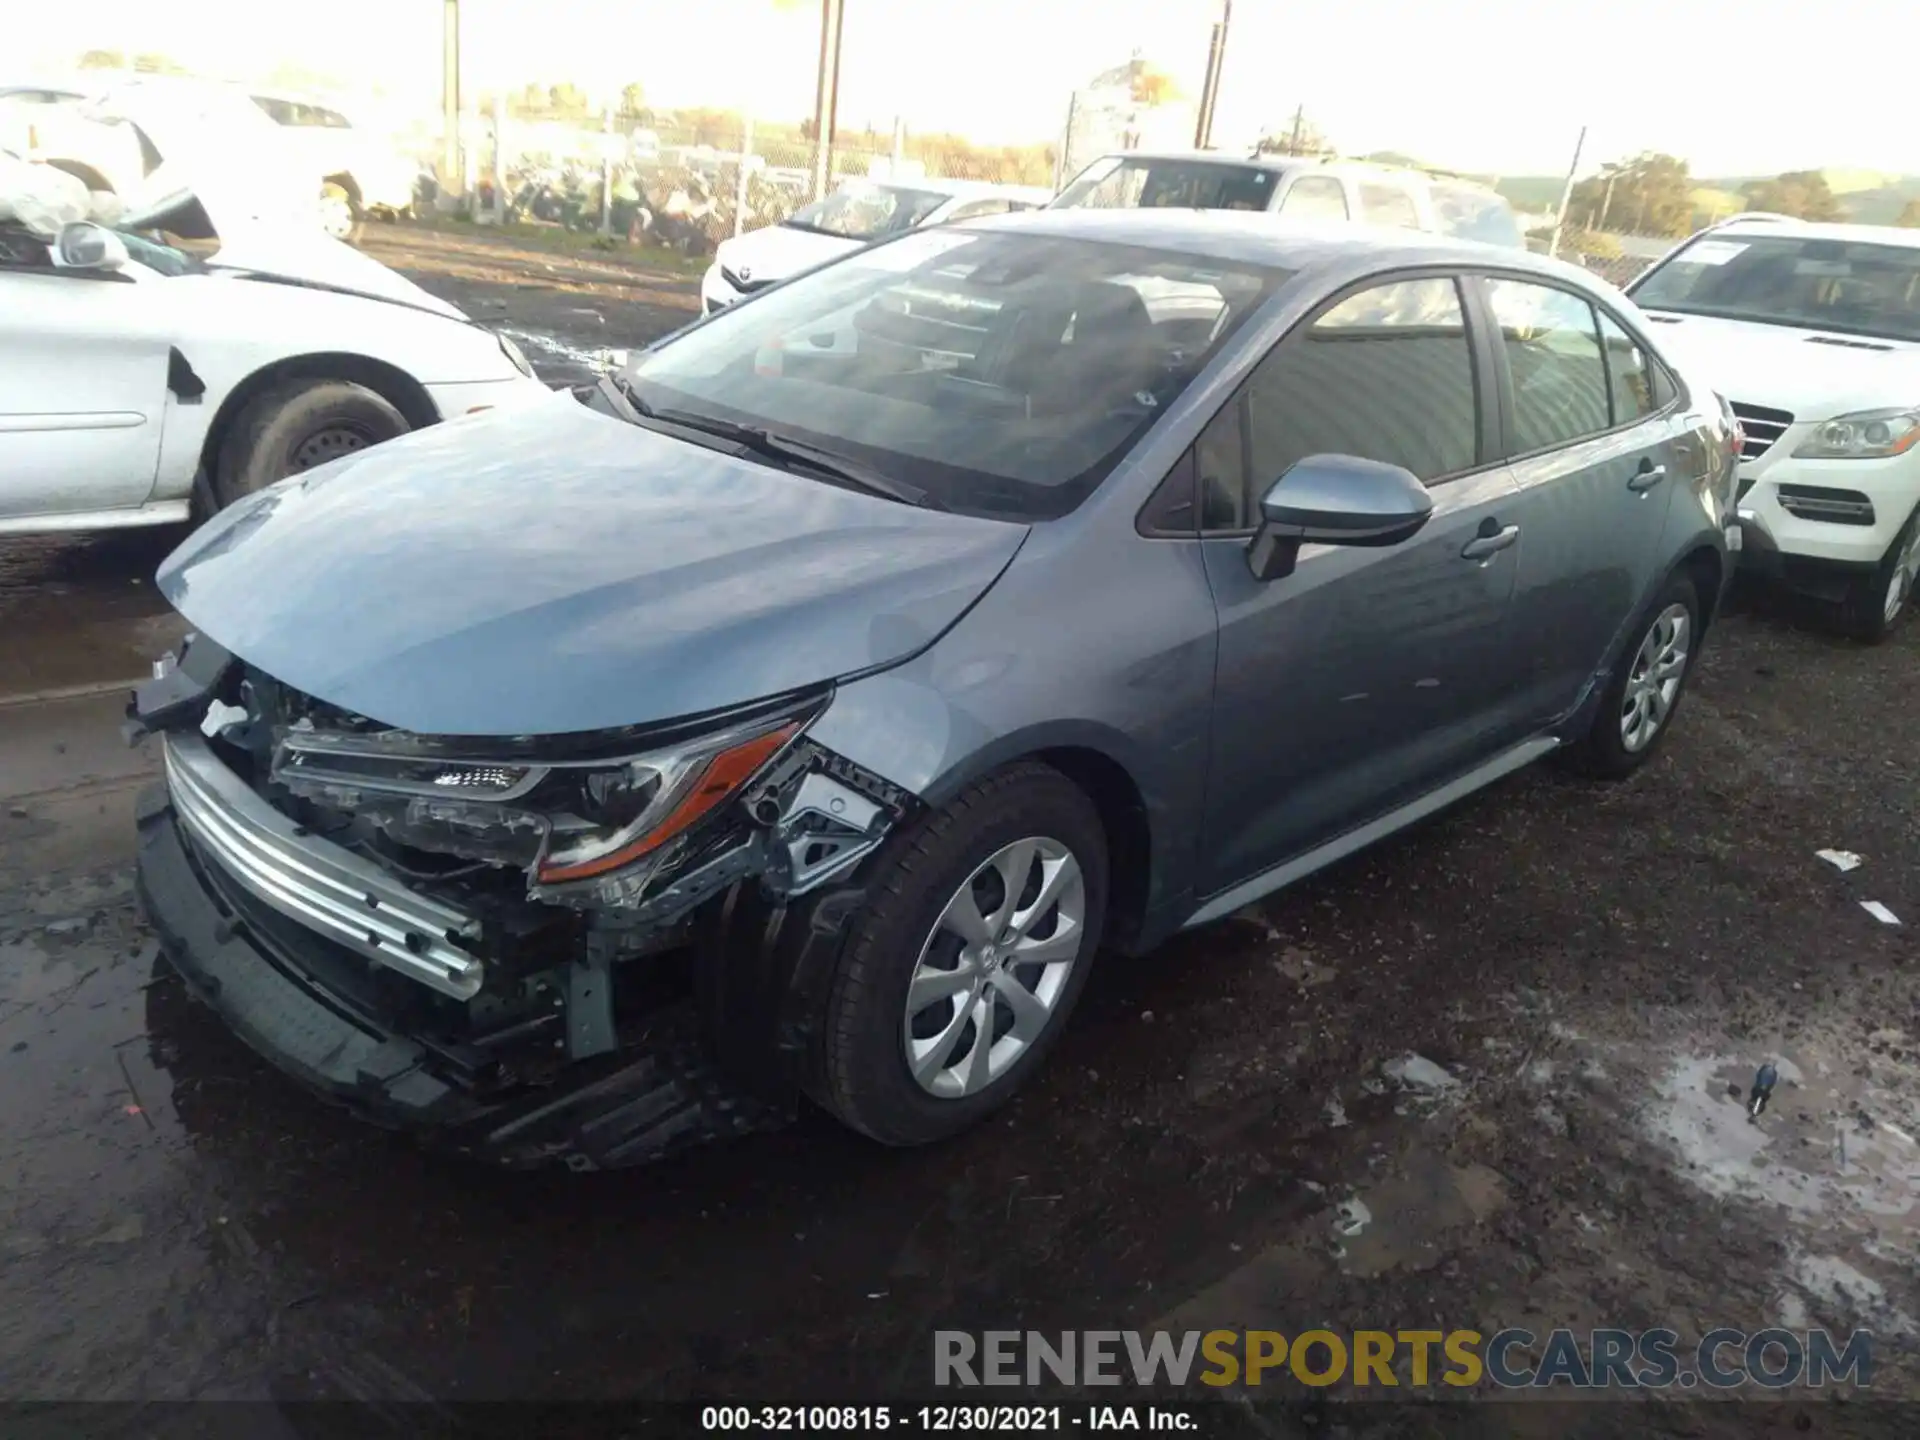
<point x="86" y="246"/>
<point x="1335" y="500"/>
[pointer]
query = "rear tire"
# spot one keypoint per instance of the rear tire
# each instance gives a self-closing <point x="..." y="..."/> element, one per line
<point x="294" y="427"/>
<point x="1028" y="820"/>
<point x="1644" y="694"/>
<point x="1878" y="600"/>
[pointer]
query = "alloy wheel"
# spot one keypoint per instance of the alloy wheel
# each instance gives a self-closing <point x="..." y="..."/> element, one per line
<point x="1653" y="684"/>
<point x="991" y="974"/>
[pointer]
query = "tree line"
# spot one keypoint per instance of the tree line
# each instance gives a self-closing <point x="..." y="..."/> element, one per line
<point x="1653" y="194"/>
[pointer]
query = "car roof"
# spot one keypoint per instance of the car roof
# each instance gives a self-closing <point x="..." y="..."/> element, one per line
<point x="1254" y="237"/>
<point x="1270" y="161"/>
<point x="1820" y="230"/>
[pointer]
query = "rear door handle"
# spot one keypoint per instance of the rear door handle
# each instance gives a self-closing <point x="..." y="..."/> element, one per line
<point x="1481" y="546"/>
<point x="1647" y="476"/>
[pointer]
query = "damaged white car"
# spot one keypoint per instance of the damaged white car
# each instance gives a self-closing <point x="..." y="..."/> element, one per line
<point x="140" y="383"/>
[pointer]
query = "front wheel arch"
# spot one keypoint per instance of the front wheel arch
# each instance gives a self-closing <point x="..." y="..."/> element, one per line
<point x="389" y="382"/>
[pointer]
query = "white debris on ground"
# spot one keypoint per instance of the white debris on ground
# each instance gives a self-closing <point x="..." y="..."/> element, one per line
<point x="1416" y="1072"/>
<point x="1880" y="912"/>
<point x="1841" y="860"/>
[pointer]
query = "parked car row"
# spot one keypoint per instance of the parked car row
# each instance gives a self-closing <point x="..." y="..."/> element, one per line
<point x="141" y="383"/>
<point x="338" y="171"/>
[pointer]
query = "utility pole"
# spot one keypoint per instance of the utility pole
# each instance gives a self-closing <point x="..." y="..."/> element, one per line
<point x="1566" y="193"/>
<point x="606" y="171"/>
<point x="1606" y="199"/>
<point x="1210" y="86"/>
<point x="826" y="96"/>
<point x="451" y="172"/>
<point x="1299" y="122"/>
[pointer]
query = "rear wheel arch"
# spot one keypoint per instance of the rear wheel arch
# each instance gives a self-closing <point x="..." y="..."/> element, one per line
<point x="1705" y="567"/>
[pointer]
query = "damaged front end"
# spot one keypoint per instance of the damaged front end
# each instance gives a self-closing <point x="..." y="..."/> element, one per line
<point x="584" y="947"/>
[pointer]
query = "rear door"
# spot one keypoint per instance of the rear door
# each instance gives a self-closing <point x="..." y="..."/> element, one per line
<point x="1597" y="451"/>
<point x="83" y="390"/>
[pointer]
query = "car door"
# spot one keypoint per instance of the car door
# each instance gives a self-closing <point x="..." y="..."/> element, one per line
<point x="1597" y="452"/>
<point x="83" y="389"/>
<point x="1367" y="676"/>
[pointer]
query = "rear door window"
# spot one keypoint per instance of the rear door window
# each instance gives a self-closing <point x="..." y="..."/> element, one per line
<point x="1633" y="376"/>
<point x="1384" y="204"/>
<point x="1552" y="342"/>
<point x="1315" y="197"/>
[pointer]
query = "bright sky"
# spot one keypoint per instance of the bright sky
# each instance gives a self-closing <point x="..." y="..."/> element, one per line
<point x="1501" y="86"/>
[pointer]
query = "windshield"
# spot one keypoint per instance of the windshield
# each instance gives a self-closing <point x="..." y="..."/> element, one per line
<point x="998" y="373"/>
<point x="1119" y="183"/>
<point x="1469" y="213"/>
<point x="1850" y="286"/>
<point x="868" y="212"/>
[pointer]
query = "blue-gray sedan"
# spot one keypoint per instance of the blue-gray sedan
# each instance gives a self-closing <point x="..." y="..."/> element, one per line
<point x="799" y="711"/>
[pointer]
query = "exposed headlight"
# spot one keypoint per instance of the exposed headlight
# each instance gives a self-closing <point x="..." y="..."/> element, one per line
<point x="623" y="813"/>
<point x="1869" y="435"/>
<point x="563" y="819"/>
<point x="514" y="353"/>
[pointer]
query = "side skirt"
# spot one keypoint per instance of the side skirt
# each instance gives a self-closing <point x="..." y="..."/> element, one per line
<point x="1301" y="866"/>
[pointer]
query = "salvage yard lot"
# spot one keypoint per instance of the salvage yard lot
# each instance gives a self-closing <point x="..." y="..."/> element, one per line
<point x="1598" y="970"/>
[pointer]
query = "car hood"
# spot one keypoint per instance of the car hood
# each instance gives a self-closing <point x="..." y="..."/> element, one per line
<point x="776" y="251"/>
<point x="553" y="570"/>
<point x="1811" y="374"/>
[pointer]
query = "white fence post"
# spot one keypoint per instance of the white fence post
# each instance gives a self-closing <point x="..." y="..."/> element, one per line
<point x="740" y="188"/>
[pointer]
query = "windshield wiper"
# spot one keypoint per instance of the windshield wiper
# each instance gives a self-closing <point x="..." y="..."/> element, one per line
<point x="773" y="445"/>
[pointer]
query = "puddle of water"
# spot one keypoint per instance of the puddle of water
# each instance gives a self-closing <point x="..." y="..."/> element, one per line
<point x="1817" y="1149"/>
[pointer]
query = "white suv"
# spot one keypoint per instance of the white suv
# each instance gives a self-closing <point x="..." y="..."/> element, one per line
<point x="1813" y="334"/>
<point x="1296" y="188"/>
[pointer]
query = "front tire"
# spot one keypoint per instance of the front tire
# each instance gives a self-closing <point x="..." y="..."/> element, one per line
<point x="960" y="973"/>
<point x="340" y="215"/>
<point x="1879" y="600"/>
<point x="294" y="427"/>
<point x="1641" y="699"/>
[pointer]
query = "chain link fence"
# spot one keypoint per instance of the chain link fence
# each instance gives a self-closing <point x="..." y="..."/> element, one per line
<point x="693" y="181"/>
<point x="690" y="181"/>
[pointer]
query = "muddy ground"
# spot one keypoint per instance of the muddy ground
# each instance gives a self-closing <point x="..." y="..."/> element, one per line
<point x="1592" y="973"/>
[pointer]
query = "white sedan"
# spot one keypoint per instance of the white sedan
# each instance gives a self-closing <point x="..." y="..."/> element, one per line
<point x="139" y="384"/>
<point x="859" y="213"/>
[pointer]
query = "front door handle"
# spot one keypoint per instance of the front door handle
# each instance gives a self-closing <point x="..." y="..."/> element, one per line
<point x="1492" y="543"/>
<point x="1647" y="476"/>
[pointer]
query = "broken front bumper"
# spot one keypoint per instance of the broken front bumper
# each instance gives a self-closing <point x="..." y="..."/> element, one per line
<point x="264" y="975"/>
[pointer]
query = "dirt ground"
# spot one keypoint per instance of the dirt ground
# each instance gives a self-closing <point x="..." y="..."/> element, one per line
<point x="1589" y="977"/>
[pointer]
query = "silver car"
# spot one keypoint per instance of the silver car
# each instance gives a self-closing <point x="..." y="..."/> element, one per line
<point x="803" y="710"/>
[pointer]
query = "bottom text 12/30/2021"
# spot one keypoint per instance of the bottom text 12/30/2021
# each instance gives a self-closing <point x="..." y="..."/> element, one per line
<point x="948" y="1419"/>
